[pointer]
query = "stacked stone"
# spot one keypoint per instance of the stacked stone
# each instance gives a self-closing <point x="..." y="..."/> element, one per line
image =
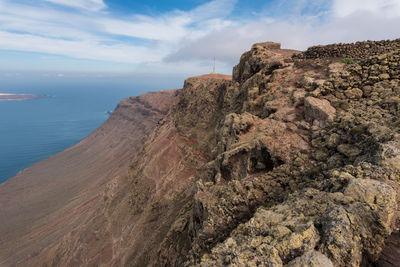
<point x="369" y="72"/>
<point x="267" y="45"/>
<point x="366" y="96"/>
<point x="358" y="50"/>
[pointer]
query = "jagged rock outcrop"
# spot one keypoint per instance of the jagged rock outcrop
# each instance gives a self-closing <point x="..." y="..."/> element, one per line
<point x="294" y="161"/>
<point x="290" y="228"/>
<point x="334" y="167"/>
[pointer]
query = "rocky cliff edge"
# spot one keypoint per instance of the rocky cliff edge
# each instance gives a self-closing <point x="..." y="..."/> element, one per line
<point x="292" y="161"/>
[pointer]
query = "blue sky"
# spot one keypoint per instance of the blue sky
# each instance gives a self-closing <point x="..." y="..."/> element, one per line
<point x="175" y="37"/>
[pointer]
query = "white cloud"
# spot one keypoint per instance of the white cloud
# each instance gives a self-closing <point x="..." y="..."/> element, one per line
<point x="213" y="9"/>
<point x="47" y="29"/>
<point x="79" y="49"/>
<point x="92" y="5"/>
<point x="343" y="8"/>
<point x="347" y="21"/>
<point x="163" y="28"/>
<point x="187" y="41"/>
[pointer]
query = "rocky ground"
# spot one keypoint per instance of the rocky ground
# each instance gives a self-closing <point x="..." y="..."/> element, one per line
<point x="305" y="169"/>
<point x="292" y="161"/>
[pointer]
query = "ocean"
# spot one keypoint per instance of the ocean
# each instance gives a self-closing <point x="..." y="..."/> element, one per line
<point x="33" y="130"/>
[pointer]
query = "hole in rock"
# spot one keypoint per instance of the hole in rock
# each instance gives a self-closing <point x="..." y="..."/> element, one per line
<point x="244" y="163"/>
<point x="261" y="161"/>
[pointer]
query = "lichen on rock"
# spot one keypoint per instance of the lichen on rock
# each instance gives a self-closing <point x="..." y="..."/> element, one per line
<point x="328" y="201"/>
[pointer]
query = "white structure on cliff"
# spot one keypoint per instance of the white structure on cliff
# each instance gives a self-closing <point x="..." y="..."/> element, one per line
<point x="213" y="72"/>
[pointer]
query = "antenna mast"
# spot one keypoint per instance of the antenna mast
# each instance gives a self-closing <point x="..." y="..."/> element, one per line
<point x="214" y="66"/>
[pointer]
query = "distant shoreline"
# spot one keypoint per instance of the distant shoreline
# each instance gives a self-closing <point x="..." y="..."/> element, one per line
<point x="19" y="97"/>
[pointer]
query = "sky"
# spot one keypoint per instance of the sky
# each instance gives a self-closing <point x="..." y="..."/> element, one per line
<point x="148" y="38"/>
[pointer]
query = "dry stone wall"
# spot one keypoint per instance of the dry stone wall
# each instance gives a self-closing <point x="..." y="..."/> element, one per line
<point x="358" y="50"/>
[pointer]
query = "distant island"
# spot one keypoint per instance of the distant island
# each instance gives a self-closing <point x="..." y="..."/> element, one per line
<point x="19" y="97"/>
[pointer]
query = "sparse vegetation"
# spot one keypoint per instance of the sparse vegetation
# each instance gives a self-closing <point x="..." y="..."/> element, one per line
<point x="347" y="60"/>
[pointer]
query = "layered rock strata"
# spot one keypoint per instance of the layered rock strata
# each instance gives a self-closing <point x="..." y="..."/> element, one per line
<point x="289" y="162"/>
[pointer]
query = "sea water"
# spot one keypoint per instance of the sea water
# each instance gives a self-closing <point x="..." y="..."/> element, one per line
<point x="33" y="130"/>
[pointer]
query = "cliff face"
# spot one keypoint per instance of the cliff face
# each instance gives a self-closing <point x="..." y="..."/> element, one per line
<point x="294" y="161"/>
<point x="58" y="196"/>
<point x="328" y="193"/>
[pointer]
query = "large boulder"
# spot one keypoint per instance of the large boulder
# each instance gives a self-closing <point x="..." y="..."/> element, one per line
<point x="311" y="259"/>
<point x="318" y="111"/>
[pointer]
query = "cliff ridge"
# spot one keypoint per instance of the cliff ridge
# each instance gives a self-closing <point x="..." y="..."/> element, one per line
<point x="291" y="161"/>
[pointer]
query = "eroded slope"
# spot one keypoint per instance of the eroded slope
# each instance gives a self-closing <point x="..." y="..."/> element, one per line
<point x="294" y="161"/>
<point x="56" y="196"/>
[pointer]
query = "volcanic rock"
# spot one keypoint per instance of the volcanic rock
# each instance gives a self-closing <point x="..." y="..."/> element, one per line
<point x="292" y="161"/>
<point x="318" y="110"/>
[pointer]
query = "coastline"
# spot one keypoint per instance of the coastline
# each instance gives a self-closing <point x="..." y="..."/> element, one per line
<point x="19" y="97"/>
